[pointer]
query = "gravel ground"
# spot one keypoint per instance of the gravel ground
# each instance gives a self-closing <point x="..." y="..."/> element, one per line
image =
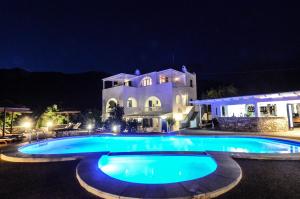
<point x="261" y="179"/>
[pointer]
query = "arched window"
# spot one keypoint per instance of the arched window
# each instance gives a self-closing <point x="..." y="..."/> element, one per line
<point x="178" y="100"/>
<point x="146" y="81"/>
<point x="131" y="102"/>
<point x="152" y="104"/>
<point x="110" y="104"/>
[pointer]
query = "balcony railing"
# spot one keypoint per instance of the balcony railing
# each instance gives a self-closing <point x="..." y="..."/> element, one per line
<point x="153" y="109"/>
<point x="136" y="110"/>
<point x="132" y="110"/>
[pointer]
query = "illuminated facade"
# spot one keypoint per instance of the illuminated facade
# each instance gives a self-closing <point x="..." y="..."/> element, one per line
<point x="151" y="98"/>
<point x="286" y="104"/>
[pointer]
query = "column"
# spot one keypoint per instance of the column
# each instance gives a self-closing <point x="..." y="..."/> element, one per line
<point x="103" y="84"/>
<point x="200" y="115"/>
<point x="257" y="113"/>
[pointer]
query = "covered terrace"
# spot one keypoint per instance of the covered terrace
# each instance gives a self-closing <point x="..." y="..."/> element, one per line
<point x="12" y="110"/>
<point x="285" y="104"/>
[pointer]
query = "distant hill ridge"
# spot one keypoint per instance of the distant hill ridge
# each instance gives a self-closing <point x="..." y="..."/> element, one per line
<point x="83" y="90"/>
<point x="40" y="89"/>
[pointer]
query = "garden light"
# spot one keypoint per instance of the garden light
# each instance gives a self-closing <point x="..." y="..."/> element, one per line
<point x="49" y="124"/>
<point x="26" y="124"/>
<point x="89" y="127"/>
<point x="115" y="128"/>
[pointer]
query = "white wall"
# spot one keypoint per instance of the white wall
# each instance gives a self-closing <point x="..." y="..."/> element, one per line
<point x="166" y="92"/>
<point x="237" y="110"/>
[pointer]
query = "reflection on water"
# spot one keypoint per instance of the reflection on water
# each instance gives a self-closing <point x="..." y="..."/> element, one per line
<point x="161" y="143"/>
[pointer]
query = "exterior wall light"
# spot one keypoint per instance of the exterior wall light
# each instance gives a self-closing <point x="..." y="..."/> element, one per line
<point x="176" y="79"/>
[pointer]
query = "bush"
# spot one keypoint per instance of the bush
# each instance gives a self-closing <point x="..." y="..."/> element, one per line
<point x="215" y="123"/>
<point x="132" y="125"/>
<point x="115" y="118"/>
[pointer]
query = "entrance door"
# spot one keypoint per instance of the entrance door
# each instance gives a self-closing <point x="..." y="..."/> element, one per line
<point x="164" y="126"/>
<point x="150" y="104"/>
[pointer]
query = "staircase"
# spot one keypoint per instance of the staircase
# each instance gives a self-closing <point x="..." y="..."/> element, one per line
<point x="191" y="119"/>
<point x="194" y="121"/>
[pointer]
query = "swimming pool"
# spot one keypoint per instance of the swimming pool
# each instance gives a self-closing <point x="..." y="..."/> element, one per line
<point x="157" y="169"/>
<point x="88" y="144"/>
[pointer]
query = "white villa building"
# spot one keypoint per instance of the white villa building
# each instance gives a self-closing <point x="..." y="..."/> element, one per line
<point x="151" y="98"/>
<point x="272" y="109"/>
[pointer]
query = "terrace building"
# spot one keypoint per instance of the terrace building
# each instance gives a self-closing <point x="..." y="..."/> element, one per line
<point x="151" y="98"/>
<point x="264" y="112"/>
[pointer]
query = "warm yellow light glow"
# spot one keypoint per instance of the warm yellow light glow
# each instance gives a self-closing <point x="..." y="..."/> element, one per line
<point x="89" y="126"/>
<point x="49" y="124"/>
<point x="178" y="116"/>
<point x="26" y="124"/>
<point x="176" y="79"/>
<point x="115" y="128"/>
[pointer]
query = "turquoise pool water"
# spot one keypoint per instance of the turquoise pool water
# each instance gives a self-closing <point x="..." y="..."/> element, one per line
<point x="88" y="144"/>
<point x="156" y="169"/>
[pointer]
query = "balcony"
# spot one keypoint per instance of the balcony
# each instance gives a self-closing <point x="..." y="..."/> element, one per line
<point x="143" y="111"/>
<point x="132" y="110"/>
<point x="153" y="109"/>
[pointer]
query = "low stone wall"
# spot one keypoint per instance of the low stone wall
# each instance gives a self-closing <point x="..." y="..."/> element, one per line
<point x="253" y="124"/>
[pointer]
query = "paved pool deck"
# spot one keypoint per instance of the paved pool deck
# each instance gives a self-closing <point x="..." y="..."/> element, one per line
<point x="261" y="180"/>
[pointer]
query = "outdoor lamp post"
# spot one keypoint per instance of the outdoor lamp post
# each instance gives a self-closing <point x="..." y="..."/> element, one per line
<point x="27" y="126"/>
<point x="49" y="125"/>
<point x="89" y="128"/>
<point x="116" y="128"/>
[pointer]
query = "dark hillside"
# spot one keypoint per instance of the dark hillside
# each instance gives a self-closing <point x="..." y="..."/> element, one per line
<point x="83" y="90"/>
<point x="39" y="89"/>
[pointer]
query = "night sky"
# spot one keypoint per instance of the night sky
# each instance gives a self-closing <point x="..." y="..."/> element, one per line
<point x="120" y="36"/>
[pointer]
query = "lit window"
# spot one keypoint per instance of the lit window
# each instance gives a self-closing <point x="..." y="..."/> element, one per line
<point x="152" y="103"/>
<point x="111" y="104"/>
<point x="163" y="79"/>
<point x="178" y="99"/>
<point x="146" y="81"/>
<point x="184" y="99"/>
<point x="127" y="83"/>
<point x="131" y="102"/>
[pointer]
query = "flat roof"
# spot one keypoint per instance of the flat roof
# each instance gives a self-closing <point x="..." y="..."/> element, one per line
<point x="15" y="109"/>
<point x="123" y="76"/>
<point x="293" y="95"/>
<point x="119" y="77"/>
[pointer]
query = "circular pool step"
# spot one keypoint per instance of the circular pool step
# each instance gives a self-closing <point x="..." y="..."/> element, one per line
<point x="224" y="177"/>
